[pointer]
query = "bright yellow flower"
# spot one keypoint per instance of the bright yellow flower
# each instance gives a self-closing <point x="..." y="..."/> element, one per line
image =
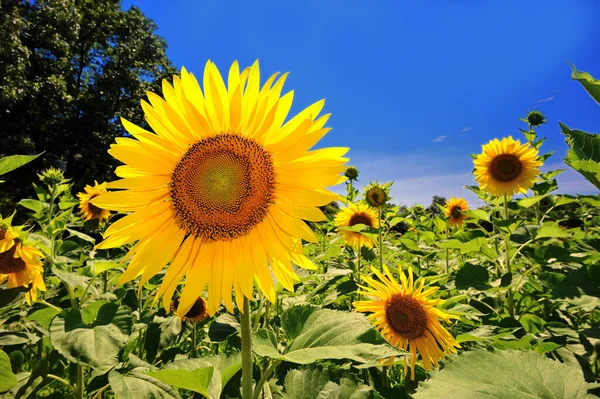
<point x="7" y="238"/>
<point x="197" y="313"/>
<point x="454" y="211"/>
<point x="351" y="216"/>
<point x="221" y="188"/>
<point x="21" y="266"/>
<point x="89" y="210"/>
<point x="506" y="167"/>
<point x="407" y="318"/>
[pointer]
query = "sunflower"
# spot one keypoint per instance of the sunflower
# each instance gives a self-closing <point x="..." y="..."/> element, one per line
<point x="352" y="215"/>
<point x="21" y="266"/>
<point x="351" y="173"/>
<point x="377" y="194"/>
<point x="506" y="167"/>
<point x="407" y="318"/>
<point x="89" y="210"/>
<point x="222" y="188"/>
<point x="197" y="313"/>
<point x="454" y="211"/>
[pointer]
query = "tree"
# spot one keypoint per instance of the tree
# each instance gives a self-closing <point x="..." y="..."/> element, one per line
<point x="433" y="209"/>
<point x="68" y="70"/>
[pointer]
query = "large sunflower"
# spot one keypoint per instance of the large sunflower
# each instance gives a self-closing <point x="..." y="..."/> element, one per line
<point x="21" y="266"/>
<point x="506" y="167"/>
<point x="454" y="211"/>
<point x="407" y="318"/>
<point x="221" y="188"/>
<point x="89" y="210"/>
<point x="351" y="216"/>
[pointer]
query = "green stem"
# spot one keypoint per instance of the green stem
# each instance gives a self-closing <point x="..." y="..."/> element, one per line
<point x="511" y="304"/>
<point x="141" y="332"/>
<point x="264" y="377"/>
<point x="43" y="302"/>
<point x="380" y="241"/>
<point x="267" y="314"/>
<point x="447" y="250"/>
<point x="258" y="314"/>
<point x="194" y="340"/>
<point x="246" y="352"/>
<point x="80" y="387"/>
<point x="105" y="279"/>
<point x="101" y="391"/>
<point x="61" y="380"/>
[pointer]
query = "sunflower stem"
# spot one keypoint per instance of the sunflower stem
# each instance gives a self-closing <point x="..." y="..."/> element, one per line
<point x="511" y="304"/>
<point x="380" y="240"/>
<point x="79" y="393"/>
<point x="447" y="250"/>
<point x="194" y="341"/>
<point x="105" y="280"/>
<point x="246" y="351"/>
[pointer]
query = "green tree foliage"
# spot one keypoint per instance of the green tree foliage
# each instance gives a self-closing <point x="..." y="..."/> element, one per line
<point x="68" y="70"/>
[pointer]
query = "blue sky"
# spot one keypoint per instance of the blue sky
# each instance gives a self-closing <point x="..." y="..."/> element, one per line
<point x="413" y="87"/>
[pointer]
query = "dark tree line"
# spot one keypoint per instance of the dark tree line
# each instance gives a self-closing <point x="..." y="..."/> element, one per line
<point x="68" y="70"/>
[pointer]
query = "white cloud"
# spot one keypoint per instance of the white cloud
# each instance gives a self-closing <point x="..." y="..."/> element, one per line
<point x="465" y="129"/>
<point x="439" y="139"/>
<point x="545" y="100"/>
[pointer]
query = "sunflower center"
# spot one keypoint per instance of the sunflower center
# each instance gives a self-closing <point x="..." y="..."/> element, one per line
<point x="376" y="196"/>
<point x="455" y="212"/>
<point x="222" y="187"/>
<point x="9" y="264"/>
<point x="197" y="309"/>
<point x="406" y="316"/>
<point x="360" y="218"/>
<point x="93" y="208"/>
<point x="505" y="168"/>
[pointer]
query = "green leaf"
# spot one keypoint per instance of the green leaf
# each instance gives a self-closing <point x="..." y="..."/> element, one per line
<point x="479" y="214"/>
<point x="223" y="327"/>
<point x="533" y="324"/>
<point x="137" y="384"/>
<point x="8" y="337"/>
<point x="13" y="162"/>
<point x="311" y="384"/>
<point x="317" y="334"/>
<point x="530" y="201"/>
<point x="550" y="232"/>
<point x="475" y="276"/>
<point x="43" y="316"/>
<point x="196" y="380"/>
<point x="97" y="344"/>
<point x="34" y="205"/>
<point x="101" y="265"/>
<point x="73" y="279"/>
<point x="503" y="375"/>
<point x="79" y="234"/>
<point x="584" y="155"/>
<point x="591" y="85"/>
<point x="7" y="378"/>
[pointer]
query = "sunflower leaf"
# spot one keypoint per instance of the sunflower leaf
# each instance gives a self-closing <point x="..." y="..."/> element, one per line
<point x="13" y="162"/>
<point x="504" y="375"/>
<point x="591" y="85"/>
<point x="7" y="378"/>
<point x="137" y="384"/>
<point x="317" y="334"/>
<point x="315" y="383"/>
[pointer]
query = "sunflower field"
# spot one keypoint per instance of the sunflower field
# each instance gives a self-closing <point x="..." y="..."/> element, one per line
<point x="223" y="263"/>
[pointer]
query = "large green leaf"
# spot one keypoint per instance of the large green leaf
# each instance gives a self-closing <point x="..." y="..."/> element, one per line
<point x="7" y="378"/>
<point x="96" y="344"/>
<point x="588" y="82"/>
<point x="137" y="384"/>
<point x="207" y="376"/>
<point x="13" y="162"/>
<point x="503" y="375"/>
<point x="316" y="334"/>
<point x="310" y="384"/>
<point x="584" y="155"/>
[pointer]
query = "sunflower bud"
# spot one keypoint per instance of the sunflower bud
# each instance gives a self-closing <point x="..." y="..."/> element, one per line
<point x="376" y="195"/>
<point x="52" y="176"/>
<point x="351" y="173"/>
<point x="536" y="118"/>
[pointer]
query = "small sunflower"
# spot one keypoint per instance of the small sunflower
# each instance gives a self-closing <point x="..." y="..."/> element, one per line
<point x="377" y="194"/>
<point x="221" y="188"/>
<point x="197" y="313"/>
<point x="352" y="215"/>
<point x="21" y="266"/>
<point x="407" y="318"/>
<point x="89" y="210"/>
<point x="351" y="173"/>
<point x="536" y="118"/>
<point x="454" y="211"/>
<point x="506" y="167"/>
